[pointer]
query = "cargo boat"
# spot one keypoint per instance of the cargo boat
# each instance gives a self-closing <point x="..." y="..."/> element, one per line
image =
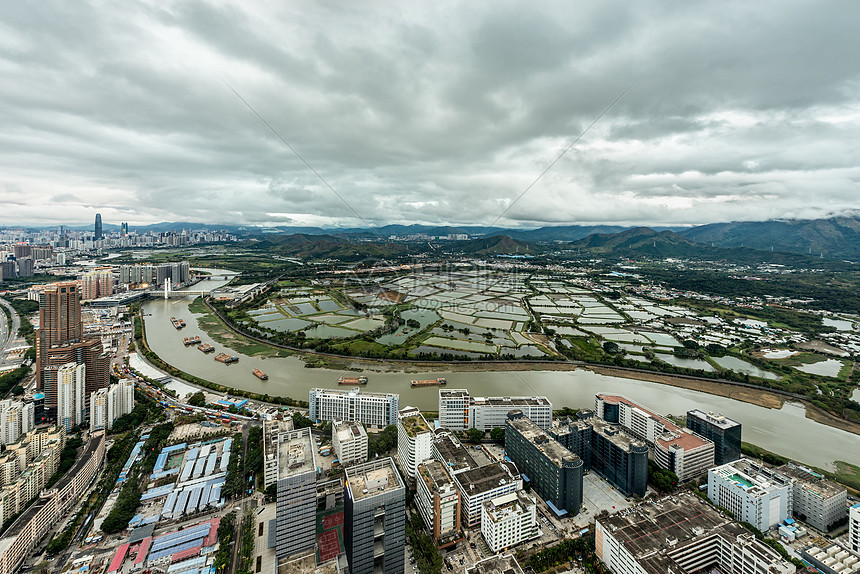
<point x="352" y="381"/>
<point x="205" y="347"/>
<point x="430" y="382"/>
<point x="177" y="323"/>
<point x="195" y="340"/>
<point x="260" y="375"/>
<point x="226" y="359"/>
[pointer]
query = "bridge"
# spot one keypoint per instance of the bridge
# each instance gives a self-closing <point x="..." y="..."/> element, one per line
<point x="167" y="292"/>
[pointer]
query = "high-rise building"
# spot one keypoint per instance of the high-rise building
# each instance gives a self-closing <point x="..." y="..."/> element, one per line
<point x="123" y="229"/>
<point x="414" y="440"/>
<point x="555" y="472"/>
<point x="99" y="410"/>
<point x="108" y="404"/>
<point x="370" y="409"/>
<point x="722" y="431"/>
<point x="751" y="492"/>
<point x="374" y="526"/>
<point x="88" y="352"/>
<point x="297" y="492"/>
<point x="96" y="283"/>
<point x="681" y="534"/>
<point x="438" y="502"/>
<point x="854" y="527"/>
<point x="509" y="520"/>
<point x="98" y="227"/>
<point x="676" y="449"/>
<point x="70" y="394"/>
<point x="349" y="440"/>
<point x="606" y="449"/>
<point x="459" y="411"/>
<point x="25" y="267"/>
<point x="17" y="418"/>
<point x="59" y="317"/>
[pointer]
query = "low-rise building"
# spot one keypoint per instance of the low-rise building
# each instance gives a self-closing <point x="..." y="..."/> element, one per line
<point x="414" y="440"/>
<point x="349" y="440"/>
<point x="554" y="472"/>
<point x="448" y="450"/>
<point x="833" y="558"/>
<point x="368" y="408"/>
<point x="681" y="534"/>
<point x="814" y="499"/>
<point x="438" y="502"/>
<point x="500" y="564"/>
<point x="509" y="520"/>
<point x="752" y="492"/>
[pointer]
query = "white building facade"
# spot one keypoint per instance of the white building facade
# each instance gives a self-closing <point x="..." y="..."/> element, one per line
<point x="854" y="528"/>
<point x="70" y="395"/>
<point x="509" y="520"/>
<point x="751" y="492"/>
<point x="459" y="411"/>
<point x="370" y="409"/>
<point x="414" y="440"/>
<point x="349" y="440"/>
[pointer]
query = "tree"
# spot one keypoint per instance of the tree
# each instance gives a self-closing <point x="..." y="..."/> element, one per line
<point x="198" y="399"/>
<point x="474" y="435"/>
<point x="17" y="390"/>
<point x="300" y="421"/>
<point x="498" y="435"/>
<point x="611" y="348"/>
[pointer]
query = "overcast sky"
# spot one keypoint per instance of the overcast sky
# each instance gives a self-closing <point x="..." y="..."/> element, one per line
<point x="441" y="113"/>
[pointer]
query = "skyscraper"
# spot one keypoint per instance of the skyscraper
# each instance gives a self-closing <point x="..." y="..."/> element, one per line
<point x="98" y="227"/>
<point x="123" y="229"/>
<point x="60" y="341"/>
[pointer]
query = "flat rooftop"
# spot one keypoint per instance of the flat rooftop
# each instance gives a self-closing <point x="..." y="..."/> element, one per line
<point x="479" y="480"/>
<point x="306" y="564"/>
<point x="296" y="453"/>
<point x="413" y="422"/>
<point x="373" y="478"/>
<point x="812" y="480"/>
<point x="453" y="393"/>
<point x="613" y="433"/>
<point x="453" y="453"/>
<point x="752" y="475"/>
<point x="434" y="475"/>
<point x="550" y="447"/>
<point x="654" y="531"/>
<point x="618" y="399"/>
<point x="503" y="507"/>
<point x="349" y="431"/>
<point x="511" y="401"/>
<point x="356" y="391"/>
<point x="682" y="438"/>
<point x="717" y="420"/>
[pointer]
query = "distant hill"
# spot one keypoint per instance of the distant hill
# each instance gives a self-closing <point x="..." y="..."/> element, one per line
<point x="835" y="237"/>
<point x="497" y="245"/>
<point x="324" y="246"/>
<point x="559" y="233"/>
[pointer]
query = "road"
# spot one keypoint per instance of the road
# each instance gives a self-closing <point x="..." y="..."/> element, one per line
<point x="9" y="336"/>
<point x="247" y="502"/>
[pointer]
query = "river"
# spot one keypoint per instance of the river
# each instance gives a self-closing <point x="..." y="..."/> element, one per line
<point x="786" y="431"/>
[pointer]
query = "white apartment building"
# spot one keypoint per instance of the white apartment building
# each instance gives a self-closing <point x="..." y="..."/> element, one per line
<point x="681" y="534"/>
<point x="17" y="418"/>
<point x="509" y="520"/>
<point x="751" y="492"/>
<point x="107" y="405"/>
<point x="438" y="502"/>
<point x="459" y="411"/>
<point x="99" y="410"/>
<point x="349" y="440"/>
<point x="70" y="395"/>
<point x="854" y="528"/>
<point x="414" y="440"/>
<point x="370" y="409"/>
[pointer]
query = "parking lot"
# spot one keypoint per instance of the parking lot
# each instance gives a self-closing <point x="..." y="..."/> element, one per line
<point x="599" y="495"/>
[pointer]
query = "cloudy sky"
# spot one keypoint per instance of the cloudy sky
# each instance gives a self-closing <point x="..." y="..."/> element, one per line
<point x="439" y="113"/>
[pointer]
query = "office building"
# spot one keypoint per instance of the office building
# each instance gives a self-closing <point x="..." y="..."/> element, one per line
<point x="477" y="485"/>
<point x="509" y="520"/>
<point x="59" y="317"/>
<point x="25" y="267"/>
<point x="448" y="450"/>
<point x="69" y="380"/>
<point x="679" y="535"/>
<point x="606" y="449"/>
<point x="97" y="229"/>
<point x="722" y="431"/>
<point x="554" y="472"/>
<point x="271" y="448"/>
<point x="676" y="449"/>
<point x="374" y="526"/>
<point x="349" y="440"/>
<point x="833" y="558"/>
<point x="438" y="502"/>
<point x="751" y="492"/>
<point x="814" y="499"/>
<point x="414" y="440"/>
<point x="297" y="493"/>
<point x="123" y="229"/>
<point x="459" y="411"/>
<point x="854" y="528"/>
<point x="370" y="409"/>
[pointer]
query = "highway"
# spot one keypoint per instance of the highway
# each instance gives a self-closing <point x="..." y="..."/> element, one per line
<point x="9" y="336"/>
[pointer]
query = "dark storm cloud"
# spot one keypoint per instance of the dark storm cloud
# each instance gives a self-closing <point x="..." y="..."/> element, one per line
<point x="437" y="113"/>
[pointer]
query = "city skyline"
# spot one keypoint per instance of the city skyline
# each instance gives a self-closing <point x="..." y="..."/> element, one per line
<point x="444" y="115"/>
